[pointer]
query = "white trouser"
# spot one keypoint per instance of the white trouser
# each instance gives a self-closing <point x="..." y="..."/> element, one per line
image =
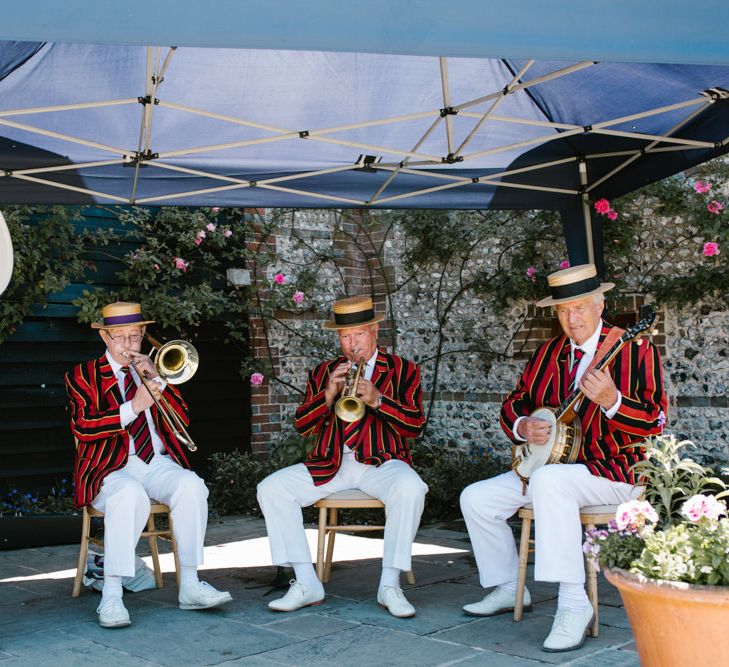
<point x="124" y="499"/>
<point x="282" y="495"/>
<point x="557" y="492"/>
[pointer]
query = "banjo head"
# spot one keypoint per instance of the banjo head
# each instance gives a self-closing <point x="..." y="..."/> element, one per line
<point x="529" y="457"/>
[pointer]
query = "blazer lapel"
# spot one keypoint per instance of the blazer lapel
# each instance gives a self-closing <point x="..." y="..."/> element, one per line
<point x="382" y="374"/>
<point x="109" y="386"/>
<point x="589" y="409"/>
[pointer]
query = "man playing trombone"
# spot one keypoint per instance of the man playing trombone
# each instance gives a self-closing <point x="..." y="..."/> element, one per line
<point x="362" y="448"/>
<point x="127" y="453"/>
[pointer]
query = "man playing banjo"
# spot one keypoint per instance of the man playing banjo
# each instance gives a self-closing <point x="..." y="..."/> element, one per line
<point x="623" y="403"/>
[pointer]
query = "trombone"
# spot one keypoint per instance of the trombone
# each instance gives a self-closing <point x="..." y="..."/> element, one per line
<point x="349" y="407"/>
<point x="176" y="362"/>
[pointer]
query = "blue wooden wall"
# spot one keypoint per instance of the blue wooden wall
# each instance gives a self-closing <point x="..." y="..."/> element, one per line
<point x="36" y="447"/>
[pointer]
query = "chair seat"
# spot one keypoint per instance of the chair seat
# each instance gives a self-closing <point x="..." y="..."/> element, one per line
<point x="349" y="498"/>
<point x="154" y="508"/>
<point x="588" y="514"/>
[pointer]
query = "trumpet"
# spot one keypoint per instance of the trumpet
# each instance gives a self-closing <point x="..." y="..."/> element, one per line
<point x="176" y="362"/>
<point x="349" y="407"/>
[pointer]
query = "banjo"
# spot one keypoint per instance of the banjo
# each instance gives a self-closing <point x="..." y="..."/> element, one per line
<point x="565" y="433"/>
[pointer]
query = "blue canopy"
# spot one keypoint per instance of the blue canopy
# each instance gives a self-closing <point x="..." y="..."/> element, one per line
<point x="351" y="104"/>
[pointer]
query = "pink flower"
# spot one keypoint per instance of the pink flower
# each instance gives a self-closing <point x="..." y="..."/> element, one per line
<point x="156" y="267"/>
<point x="711" y="249"/>
<point x="531" y="271"/>
<point x="298" y="297"/>
<point x="612" y="214"/>
<point x="211" y="226"/>
<point x="700" y="505"/>
<point x="702" y="186"/>
<point x="228" y="233"/>
<point x="198" y="240"/>
<point x="635" y="514"/>
<point x="215" y="210"/>
<point x="257" y="379"/>
<point x="602" y="206"/>
<point x="714" y="206"/>
<point x="201" y="234"/>
<point x="564" y="264"/>
<point x="181" y="264"/>
<point x="279" y="278"/>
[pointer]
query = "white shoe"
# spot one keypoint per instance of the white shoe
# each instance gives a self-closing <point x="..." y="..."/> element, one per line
<point x="568" y="630"/>
<point x="112" y="613"/>
<point x="201" y="595"/>
<point x="394" y="600"/>
<point x="498" y="601"/>
<point x="298" y="596"/>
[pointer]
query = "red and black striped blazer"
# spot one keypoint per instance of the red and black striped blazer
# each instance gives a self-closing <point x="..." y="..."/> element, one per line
<point x="382" y="432"/>
<point x="609" y="446"/>
<point x="94" y="398"/>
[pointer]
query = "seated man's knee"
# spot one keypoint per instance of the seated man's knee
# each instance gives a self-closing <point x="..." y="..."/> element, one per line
<point x="128" y="496"/>
<point x="267" y="487"/>
<point x="553" y="478"/>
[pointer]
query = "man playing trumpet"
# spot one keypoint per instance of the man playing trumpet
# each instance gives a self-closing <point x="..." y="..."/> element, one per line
<point x="369" y="453"/>
<point x="127" y="454"/>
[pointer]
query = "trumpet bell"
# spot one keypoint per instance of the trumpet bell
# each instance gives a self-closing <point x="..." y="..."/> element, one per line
<point x="349" y="408"/>
<point x="177" y="361"/>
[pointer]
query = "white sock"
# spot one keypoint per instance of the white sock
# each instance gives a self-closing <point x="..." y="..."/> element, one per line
<point x="572" y="597"/>
<point x="508" y="587"/>
<point x="112" y="586"/>
<point x="188" y="575"/>
<point x="305" y="574"/>
<point x="390" y="577"/>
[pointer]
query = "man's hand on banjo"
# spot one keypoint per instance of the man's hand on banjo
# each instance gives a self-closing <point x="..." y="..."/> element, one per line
<point x="535" y="431"/>
<point x="599" y="387"/>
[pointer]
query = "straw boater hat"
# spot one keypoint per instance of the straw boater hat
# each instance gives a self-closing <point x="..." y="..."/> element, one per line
<point x="121" y="314"/>
<point x="576" y="282"/>
<point x="354" y="311"/>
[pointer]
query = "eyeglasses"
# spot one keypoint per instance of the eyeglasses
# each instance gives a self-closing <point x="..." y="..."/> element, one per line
<point x="134" y="338"/>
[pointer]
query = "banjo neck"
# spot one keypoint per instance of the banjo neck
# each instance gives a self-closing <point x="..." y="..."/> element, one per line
<point x="565" y="413"/>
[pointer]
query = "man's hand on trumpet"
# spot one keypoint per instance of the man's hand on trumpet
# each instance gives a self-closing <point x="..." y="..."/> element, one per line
<point x="336" y="382"/>
<point x="368" y="393"/>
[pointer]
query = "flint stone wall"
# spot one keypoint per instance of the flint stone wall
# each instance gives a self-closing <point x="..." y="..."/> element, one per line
<point x="464" y="412"/>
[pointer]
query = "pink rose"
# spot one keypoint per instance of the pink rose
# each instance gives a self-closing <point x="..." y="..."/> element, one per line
<point x="215" y="210"/>
<point x="279" y="278"/>
<point x="298" y="297"/>
<point x="700" y="505"/>
<point x="201" y="234"/>
<point x="612" y="215"/>
<point x="711" y="249"/>
<point x="181" y="264"/>
<point x="211" y="226"/>
<point x="564" y="264"/>
<point x="228" y="233"/>
<point x="531" y="271"/>
<point x="257" y="379"/>
<point x="198" y="240"/>
<point x="702" y="186"/>
<point x="714" y="206"/>
<point x="602" y="206"/>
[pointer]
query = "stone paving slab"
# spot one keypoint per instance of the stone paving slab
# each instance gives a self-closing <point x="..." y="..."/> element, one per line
<point x="40" y="624"/>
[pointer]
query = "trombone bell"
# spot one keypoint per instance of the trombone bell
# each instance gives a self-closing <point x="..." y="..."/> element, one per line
<point x="176" y="361"/>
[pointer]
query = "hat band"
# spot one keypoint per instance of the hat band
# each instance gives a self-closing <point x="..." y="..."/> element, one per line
<point x="575" y="289"/>
<point x="354" y="318"/>
<point x="123" y="319"/>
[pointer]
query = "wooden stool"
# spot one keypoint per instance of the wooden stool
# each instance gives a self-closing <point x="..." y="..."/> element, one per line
<point x="151" y="534"/>
<point x="350" y="499"/>
<point x="590" y="516"/>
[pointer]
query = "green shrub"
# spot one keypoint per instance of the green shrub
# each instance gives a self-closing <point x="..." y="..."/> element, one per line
<point x="232" y="482"/>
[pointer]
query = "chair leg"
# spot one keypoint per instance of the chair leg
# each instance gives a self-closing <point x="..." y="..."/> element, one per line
<point x="331" y="534"/>
<point x="592" y="593"/>
<point x="82" y="552"/>
<point x="526" y="530"/>
<point x="151" y="528"/>
<point x="174" y="549"/>
<point x="320" y="543"/>
<point x="410" y="576"/>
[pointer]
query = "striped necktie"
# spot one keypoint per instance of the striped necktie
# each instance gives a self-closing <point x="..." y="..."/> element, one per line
<point x="139" y="428"/>
<point x="579" y="353"/>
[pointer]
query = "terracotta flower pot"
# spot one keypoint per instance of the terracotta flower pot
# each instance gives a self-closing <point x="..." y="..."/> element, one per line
<point x="675" y="624"/>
